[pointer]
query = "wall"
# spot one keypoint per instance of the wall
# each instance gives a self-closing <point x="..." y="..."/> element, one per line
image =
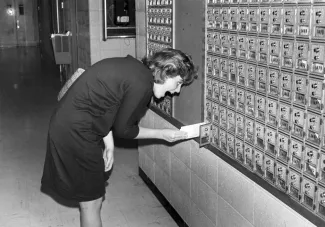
<point x="90" y="45"/>
<point x="189" y="37"/>
<point x="100" y="49"/>
<point x="205" y="190"/>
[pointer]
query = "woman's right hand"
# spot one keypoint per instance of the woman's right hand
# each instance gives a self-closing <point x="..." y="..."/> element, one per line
<point x="172" y="135"/>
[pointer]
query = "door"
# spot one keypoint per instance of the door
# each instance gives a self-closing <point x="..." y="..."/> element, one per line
<point x="18" y="23"/>
<point x="8" y="26"/>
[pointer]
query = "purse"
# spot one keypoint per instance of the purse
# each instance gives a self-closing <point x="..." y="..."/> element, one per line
<point x="69" y="82"/>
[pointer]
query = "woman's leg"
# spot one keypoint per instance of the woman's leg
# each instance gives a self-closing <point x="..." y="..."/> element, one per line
<point x="90" y="213"/>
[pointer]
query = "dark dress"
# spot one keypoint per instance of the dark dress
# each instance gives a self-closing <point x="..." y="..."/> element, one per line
<point x="111" y="94"/>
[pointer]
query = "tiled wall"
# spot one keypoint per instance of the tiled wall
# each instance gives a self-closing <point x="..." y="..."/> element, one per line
<point x="100" y="49"/>
<point x="91" y="47"/>
<point x="205" y="190"/>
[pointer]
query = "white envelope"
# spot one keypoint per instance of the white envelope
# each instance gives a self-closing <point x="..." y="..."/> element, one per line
<point x="192" y="130"/>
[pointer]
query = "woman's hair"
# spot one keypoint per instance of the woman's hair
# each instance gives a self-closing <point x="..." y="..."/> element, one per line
<point x="169" y="63"/>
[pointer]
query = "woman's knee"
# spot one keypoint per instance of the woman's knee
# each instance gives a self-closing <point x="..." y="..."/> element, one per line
<point x="91" y="205"/>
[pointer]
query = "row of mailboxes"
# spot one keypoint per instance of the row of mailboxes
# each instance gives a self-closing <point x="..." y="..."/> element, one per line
<point x="264" y="91"/>
<point x="159" y="35"/>
<point x="302" y="20"/>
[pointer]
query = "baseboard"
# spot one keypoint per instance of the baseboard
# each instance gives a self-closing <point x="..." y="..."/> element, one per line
<point x="173" y="213"/>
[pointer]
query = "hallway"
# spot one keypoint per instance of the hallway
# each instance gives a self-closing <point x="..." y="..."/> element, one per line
<point x="28" y="93"/>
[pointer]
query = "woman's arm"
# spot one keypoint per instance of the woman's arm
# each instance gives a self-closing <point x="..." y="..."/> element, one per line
<point x="170" y="135"/>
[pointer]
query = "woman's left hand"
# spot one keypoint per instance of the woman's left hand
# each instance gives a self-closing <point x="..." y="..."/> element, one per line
<point x="108" y="153"/>
<point x="108" y="156"/>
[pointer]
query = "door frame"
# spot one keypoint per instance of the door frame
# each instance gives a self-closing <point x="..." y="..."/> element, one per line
<point x="74" y="37"/>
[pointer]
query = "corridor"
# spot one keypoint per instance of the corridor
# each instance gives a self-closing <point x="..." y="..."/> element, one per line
<point x="28" y="90"/>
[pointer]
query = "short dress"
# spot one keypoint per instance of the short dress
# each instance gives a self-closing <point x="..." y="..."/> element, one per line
<point x="113" y="94"/>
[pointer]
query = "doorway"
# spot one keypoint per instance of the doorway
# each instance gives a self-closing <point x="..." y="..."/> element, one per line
<point x="18" y="23"/>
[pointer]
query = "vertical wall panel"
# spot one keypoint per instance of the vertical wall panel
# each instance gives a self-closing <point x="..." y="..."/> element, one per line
<point x="189" y="37"/>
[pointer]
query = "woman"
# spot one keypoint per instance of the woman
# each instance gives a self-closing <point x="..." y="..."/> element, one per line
<point x="112" y="95"/>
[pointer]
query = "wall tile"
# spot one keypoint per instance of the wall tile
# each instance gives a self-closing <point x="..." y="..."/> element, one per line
<point x="229" y="217"/>
<point x="95" y="58"/>
<point x="148" y="167"/>
<point x="94" y="18"/>
<point x="159" y="121"/>
<point x="147" y="147"/>
<point x="140" y="5"/>
<point x="162" y="182"/>
<point x="180" y="201"/>
<point x="162" y="157"/>
<point x="269" y="211"/>
<point x="144" y="121"/>
<point x="236" y="189"/>
<point x="201" y="195"/>
<point x="140" y="32"/>
<point x="94" y="5"/>
<point x="198" y="165"/>
<point x="151" y="118"/>
<point x="127" y="47"/>
<point x="194" y="159"/>
<point x="211" y="204"/>
<point x="207" y="200"/>
<point x="194" y="187"/>
<point x="141" y="47"/>
<point x="141" y="158"/>
<point x="180" y="174"/>
<point x="95" y="32"/>
<point x="147" y="120"/>
<point x="141" y="23"/>
<point x="212" y="171"/>
<point x="109" y="53"/>
<point x="94" y="46"/>
<point x="111" y="44"/>
<point x="198" y="218"/>
<point x="162" y="123"/>
<point x="182" y="150"/>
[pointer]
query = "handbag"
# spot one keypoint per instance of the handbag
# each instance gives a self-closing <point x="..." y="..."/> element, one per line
<point x="69" y="82"/>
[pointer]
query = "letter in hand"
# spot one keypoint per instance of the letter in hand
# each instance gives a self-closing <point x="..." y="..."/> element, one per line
<point x="173" y="135"/>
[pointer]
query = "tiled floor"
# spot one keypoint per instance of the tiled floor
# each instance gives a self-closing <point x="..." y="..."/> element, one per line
<point x="28" y="92"/>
